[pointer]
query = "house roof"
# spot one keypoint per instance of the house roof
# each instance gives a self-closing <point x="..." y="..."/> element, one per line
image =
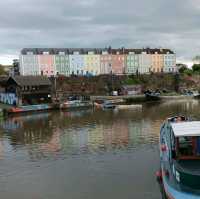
<point x="186" y="128"/>
<point x="31" y="80"/>
<point x="68" y="51"/>
<point x="3" y="79"/>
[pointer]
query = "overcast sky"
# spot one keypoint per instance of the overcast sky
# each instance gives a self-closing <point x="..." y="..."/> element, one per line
<point x="171" y="24"/>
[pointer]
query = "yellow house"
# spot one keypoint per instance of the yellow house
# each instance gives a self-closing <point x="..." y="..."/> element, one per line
<point x="157" y="61"/>
<point x="92" y="63"/>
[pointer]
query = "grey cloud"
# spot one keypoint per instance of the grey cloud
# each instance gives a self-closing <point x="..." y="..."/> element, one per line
<point x="91" y="23"/>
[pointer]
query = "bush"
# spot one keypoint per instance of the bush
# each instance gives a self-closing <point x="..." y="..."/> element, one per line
<point x="188" y="72"/>
<point x="131" y="81"/>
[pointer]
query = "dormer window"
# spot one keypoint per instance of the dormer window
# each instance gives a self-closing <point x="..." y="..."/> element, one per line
<point x="104" y="52"/>
<point x="90" y="53"/>
<point x="76" y="53"/>
<point x="29" y="53"/>
<point x="61" y="53"/>
<point x="45" y="53"/>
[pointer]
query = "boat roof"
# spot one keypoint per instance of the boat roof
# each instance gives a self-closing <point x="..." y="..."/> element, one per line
<point x="190" y="128"/>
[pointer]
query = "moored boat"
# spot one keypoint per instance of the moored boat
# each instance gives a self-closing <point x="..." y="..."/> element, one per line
<point x="108" y="105"/>
<point x="104" y="104"/>
<point x="180" y="158"/>
<point x="75" y="104"/>
<point x="152" y="96"/>
<point x="29" y="108"/>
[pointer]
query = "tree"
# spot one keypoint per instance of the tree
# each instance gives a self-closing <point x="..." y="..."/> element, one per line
<point x="196" y="68"/>
<point x="182" y="69"/>
<point x="176" y="82"/>
<point x="188" y="72"/>
<point x="2" y="70"/>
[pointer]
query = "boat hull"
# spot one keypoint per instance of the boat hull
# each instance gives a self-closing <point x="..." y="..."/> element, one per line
<point x="151" y="97"/>
<point x="172" y="193"/>
<point x="29" y="108"/>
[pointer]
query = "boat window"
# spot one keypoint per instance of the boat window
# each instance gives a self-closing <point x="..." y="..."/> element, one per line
<point x="189" y="147"/>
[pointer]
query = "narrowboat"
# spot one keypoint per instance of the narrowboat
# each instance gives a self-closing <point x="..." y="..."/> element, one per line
<point x="29" y="108"/>
<point x="180" y="158"/>
<point x="75" y="104"/>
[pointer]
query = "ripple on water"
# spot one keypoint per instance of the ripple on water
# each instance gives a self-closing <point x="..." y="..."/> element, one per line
<point x="108" y="145"/>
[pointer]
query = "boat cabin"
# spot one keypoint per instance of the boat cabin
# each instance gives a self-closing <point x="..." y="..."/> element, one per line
<point x="186" y="138"/>
<point x="180" y="151"/>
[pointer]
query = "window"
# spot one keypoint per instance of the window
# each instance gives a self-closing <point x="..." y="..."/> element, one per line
<point x="76" y="53"/>
<point x="185" y="146"/>
<point x="104" y="53"/>
<point x="29" y="53"/>
<point x="61" y="53"/>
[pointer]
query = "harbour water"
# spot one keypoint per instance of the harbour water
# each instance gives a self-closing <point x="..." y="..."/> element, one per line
<point x="85" y="154"/>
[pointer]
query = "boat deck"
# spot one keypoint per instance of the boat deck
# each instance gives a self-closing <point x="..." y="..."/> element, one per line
<point x="189" y="166"/>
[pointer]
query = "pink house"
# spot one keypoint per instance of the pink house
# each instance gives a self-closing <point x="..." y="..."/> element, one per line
<point x="118" y="61"/>
<point x="105" y="62"/>
<point x="46" y="63"/>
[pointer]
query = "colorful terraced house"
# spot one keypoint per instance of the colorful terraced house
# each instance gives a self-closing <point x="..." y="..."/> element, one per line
<point x="95" y="61"/>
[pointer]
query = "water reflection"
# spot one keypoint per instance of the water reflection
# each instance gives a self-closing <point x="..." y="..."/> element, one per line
<point x="71" y="133"/>
<point x="124" y="140"/>
<point x="90" y="131"/>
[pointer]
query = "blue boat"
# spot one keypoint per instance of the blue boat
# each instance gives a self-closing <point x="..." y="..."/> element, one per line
<point x="108" y="105"/>
<point x="180" y="158"/>
<point x="104" y="104"/>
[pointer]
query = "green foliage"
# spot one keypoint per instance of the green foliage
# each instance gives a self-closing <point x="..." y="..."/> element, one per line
<point x="182" y="69"/>
<point x="196" y="68"/>
<point x="131" y="81"/>
<point x="2" y="71"/>
<point x="188" y="72"/>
